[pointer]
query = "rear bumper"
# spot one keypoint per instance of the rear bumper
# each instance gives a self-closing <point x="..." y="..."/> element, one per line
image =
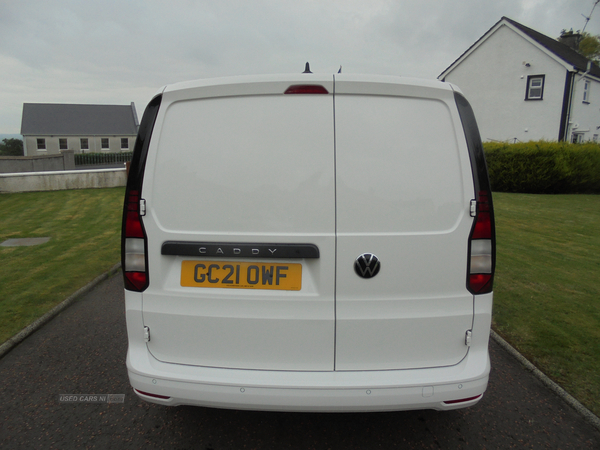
<point x="302" y="398"/>
<point x="310" y="391"/>
<point x="335" y="391"/>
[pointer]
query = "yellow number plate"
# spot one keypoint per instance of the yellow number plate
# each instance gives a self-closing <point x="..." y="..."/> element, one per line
<point x="241" y="275"/>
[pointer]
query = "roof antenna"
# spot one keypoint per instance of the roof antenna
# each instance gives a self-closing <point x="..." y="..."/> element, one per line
<point x="307" y="68"/>
<point x="587" y="18"/>
<point x="340" y="71"/>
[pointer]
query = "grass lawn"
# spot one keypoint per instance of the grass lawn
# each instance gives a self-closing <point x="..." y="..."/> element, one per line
<point x="547" y="286"/>
<point x="85" y="229"/>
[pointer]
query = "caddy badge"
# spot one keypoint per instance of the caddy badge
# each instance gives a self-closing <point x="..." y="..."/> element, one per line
<point x="367" y="265"/>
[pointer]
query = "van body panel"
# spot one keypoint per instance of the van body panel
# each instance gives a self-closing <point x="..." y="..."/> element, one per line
<point x="245" y="168"/>
<point x="398" y="320"/>
<point x="378" y="166"/>
<point x="407" y="203"/>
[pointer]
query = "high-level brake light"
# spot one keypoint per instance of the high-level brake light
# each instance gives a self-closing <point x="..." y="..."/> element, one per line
<point x="306" y="89"/>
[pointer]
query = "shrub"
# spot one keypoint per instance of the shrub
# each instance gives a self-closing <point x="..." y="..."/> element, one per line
<point x="544" y="167"/>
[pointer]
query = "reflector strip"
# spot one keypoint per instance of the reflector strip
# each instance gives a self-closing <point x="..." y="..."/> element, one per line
<point x="136" y="281"/>
<point x="479" y="283"/>
<point x="163" y="397"/>
<point x="450" y="402"/>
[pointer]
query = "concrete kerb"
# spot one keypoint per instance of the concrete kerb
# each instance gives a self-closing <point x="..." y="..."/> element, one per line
<point x="31" y="328"/>
<point x="589" y="416"/>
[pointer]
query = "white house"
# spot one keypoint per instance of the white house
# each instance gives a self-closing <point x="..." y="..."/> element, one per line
<point x="526" y="86"/>
<point x="48" y="128"/>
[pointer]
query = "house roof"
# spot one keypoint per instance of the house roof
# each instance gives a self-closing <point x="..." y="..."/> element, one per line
<point x="558" y="49"/>
<point x="41" y="119"/>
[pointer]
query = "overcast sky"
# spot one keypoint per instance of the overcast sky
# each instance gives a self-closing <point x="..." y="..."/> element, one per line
<point x="123" y="51"/>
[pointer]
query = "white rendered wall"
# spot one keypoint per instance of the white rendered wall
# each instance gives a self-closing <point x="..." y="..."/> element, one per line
<point x="585" y="116"/>
<point x="494" y="80"/>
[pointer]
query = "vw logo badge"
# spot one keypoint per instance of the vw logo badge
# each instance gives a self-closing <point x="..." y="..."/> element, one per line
<point x="367" y="265"/>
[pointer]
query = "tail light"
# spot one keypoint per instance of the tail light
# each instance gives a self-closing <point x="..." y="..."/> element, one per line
<point x="134" y="267"/>
<point x="482" y="241"/>
<point x="134" y="242"/>
<point x="481" y="246"/>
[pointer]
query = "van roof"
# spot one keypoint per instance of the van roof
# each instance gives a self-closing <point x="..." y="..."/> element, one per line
<point x="269" y="82"/>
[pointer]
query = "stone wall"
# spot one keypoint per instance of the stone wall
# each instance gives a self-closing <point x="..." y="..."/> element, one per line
<point x="61" y="180"/>
<point x="19" y="164"/>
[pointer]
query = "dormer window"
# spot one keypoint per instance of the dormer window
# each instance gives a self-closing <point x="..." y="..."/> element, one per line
<point x="535" y="87"/>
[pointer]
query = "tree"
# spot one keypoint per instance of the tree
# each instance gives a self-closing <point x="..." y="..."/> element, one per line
<point x="585" y="43"/>
<point x="589" y="46"/>
<point x="11" y="147"/>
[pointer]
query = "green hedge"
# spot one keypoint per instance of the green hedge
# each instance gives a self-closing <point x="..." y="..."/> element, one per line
<point x="82" y="159"/>
<point x="544" y="167"/>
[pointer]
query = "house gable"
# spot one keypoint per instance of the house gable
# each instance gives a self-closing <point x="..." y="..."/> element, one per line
<point x="520" y="83"/>
<point x="573" y="60"/>
<point x="561" y="53"/>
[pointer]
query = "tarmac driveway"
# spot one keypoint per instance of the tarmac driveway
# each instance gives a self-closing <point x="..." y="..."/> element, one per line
<point x="82" y="351"/>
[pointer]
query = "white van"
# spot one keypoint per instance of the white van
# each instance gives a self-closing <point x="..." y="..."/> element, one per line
<point x="309" y="243"/>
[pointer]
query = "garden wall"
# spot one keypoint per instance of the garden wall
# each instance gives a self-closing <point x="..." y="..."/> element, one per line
<point x="17" y="164"/>
<point x="61" y="180"/>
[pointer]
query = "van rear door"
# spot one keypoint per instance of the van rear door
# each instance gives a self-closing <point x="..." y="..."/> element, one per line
<point x="241" y="171"/>
<point x="404" y="185"/>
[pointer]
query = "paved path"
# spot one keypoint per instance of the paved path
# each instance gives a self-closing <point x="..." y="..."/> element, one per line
<point x="82" y="351"/>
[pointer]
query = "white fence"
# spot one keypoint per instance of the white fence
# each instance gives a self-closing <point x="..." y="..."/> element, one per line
<point x="61" y="180"/>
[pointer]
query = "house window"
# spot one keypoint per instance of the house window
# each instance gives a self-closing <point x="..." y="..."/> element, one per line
<point x="595" y="138"/>
<point x="62" y="144"/>
<point x="535" y="87"/>
<point x="105" y="143"/>
<point x="85" y="144"/>
<point x="41" y="144"/>
<point x="124" y="144"/>
<point x="586" y="91"/>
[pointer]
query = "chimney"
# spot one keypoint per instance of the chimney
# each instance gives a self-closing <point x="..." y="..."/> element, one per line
<point x="571" y="39"/>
